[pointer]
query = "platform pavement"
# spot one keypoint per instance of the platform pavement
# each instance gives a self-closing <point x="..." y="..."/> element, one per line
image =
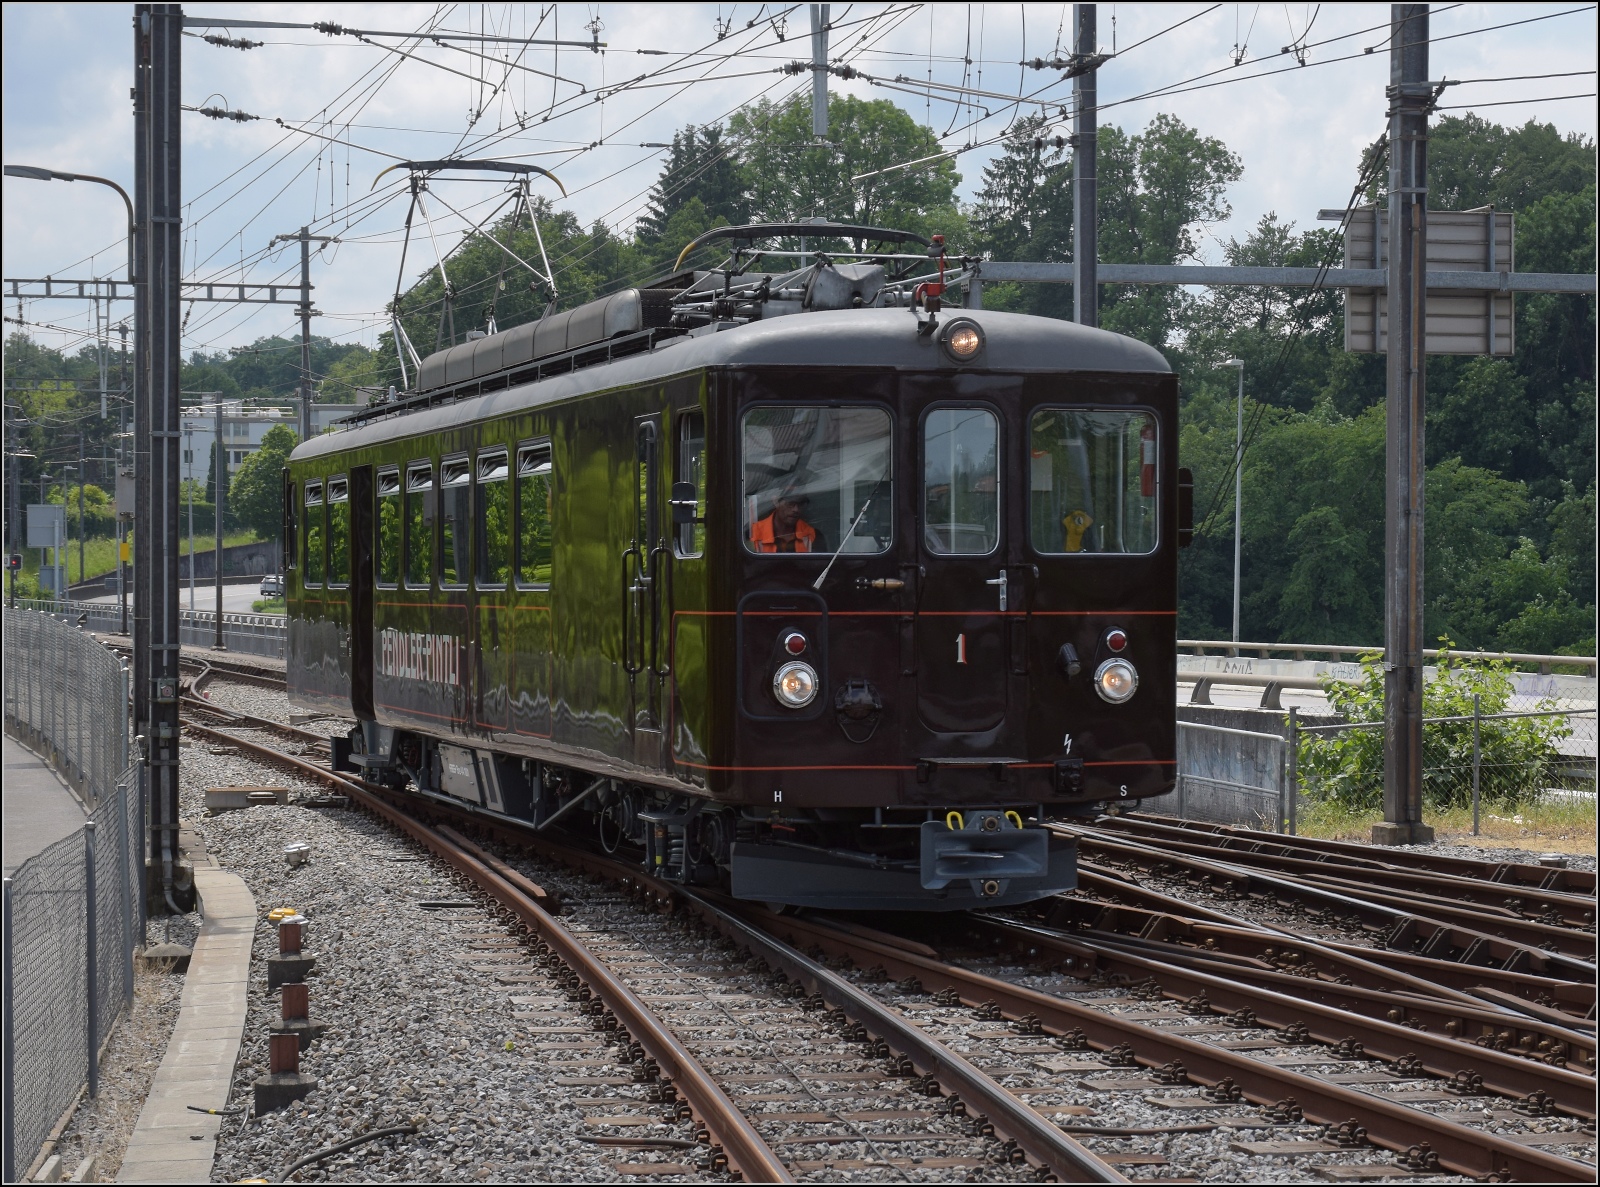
<point x="170" y="1143"/>
<point x="39" y="809"/>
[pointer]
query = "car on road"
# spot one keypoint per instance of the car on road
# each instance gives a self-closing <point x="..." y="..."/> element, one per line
<point x="272" y="587"/>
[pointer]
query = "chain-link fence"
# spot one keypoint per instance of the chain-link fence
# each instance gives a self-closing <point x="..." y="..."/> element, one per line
<point x="72" y="912"/>
<point x="1526" y="764"/>
<point x="63" y="692"/>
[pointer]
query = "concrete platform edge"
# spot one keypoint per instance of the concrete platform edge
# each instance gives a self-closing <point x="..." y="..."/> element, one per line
<point x="199" y="1062"/>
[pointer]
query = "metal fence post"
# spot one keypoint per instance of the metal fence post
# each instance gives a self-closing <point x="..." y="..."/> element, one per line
<point x="1291" y="772"/>
<point x="10" y="1049"/>
<point x="91" y="962"/>
<point x="125" y="891"/>
<point x="1476" y="763"/>
<point x="122" y="721"/>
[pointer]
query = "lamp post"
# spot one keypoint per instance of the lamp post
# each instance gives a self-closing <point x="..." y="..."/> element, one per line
<point x="188" y="446"/>
<point x="35" y="173"/>
<point x="66" y="536"/>
<point x="1238" y="489"/>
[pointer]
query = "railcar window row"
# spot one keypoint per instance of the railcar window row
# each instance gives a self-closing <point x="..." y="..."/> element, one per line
<point x="427" y="533"/>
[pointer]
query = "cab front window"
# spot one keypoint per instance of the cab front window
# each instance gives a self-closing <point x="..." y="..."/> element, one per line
<point x="1092" y="480"/>
<point x="817" y="479"/>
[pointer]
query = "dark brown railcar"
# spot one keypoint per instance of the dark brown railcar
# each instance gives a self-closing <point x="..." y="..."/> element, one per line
<point x="954" y="643"/>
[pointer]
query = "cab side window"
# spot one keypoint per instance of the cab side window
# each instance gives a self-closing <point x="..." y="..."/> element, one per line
<point x="494" y="518"/>
<point x="689" y="480"/>
<point x="389" y="528"/>
<point x="535" y="495"/>
<point x="455" y="538"/>
<point x="314" y="560"/>
<point x="419" y="525"/>
<point x="338" y="531"/>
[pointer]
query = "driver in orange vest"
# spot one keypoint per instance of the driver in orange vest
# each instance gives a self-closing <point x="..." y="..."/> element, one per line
<point x="783" y="530"/>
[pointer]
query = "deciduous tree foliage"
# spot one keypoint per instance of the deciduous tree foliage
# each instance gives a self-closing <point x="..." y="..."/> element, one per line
<point x="255" y="496"/>
<point x="1511" y="442"/>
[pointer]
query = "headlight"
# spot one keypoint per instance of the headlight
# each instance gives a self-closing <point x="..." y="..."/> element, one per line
<point x="963" y="340"/>
<point x="1116" y="681"/>
<point x="795" y="685"/>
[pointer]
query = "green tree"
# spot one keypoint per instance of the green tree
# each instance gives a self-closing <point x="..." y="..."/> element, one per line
<point x="255" y="496"/>
<point x="702" y="168"/>
<point x="356" y="369"/>
<point x="1157" y="189"/>
<point x="790" y="175"/>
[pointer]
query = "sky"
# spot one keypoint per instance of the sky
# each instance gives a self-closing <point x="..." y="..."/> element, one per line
<point x="1299" y="129"/>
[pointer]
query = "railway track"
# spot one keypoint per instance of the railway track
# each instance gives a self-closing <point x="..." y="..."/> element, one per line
<point x="1405" y="922"/>
<point x="731" y="1131"/>
<point x="1565" y="909"/>
<point x="1239" y="1045"/>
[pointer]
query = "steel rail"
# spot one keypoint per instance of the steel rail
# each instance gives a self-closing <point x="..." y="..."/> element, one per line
<point x="1510" y="874"/>
<point x="1485" y="1022"/>
<point x="1459" y="1148"/>
<point x="1034" y="1134"/>
<point x="239" y="674"/>
<point x="1497" y="898"/>
<point x="744" y="1147"/>
<point x="1037" y="1136"/>
<point x="1405" y="925"/>
<point x="247" y="721"/>
<point x="1232" y="989"/>
<point x="1565" y="940"/>
<point x="1388" y="1124"/>
<point x="1161" y="922"/>
<point x="1391" y="1125"/>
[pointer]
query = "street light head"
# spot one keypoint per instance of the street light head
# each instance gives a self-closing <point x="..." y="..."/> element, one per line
<point x="32" y="171"/>
<point x="1232" y="363"/>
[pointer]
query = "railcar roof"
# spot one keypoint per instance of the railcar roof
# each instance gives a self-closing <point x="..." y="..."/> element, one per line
<point x="862" y="338"/>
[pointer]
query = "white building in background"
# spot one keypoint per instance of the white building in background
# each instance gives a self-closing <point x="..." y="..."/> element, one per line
<point x="242" y="431"/>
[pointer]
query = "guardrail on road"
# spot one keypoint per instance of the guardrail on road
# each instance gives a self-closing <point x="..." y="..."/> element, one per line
<point x="251" y="634"/>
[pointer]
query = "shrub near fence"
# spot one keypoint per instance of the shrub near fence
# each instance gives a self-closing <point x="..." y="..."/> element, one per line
<point x="72" y="912"/>
<point x="1466" y="728"/>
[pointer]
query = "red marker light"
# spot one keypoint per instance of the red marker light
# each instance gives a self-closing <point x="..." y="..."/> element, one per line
<point x="1116" y="639"/>
<point x="794" y="643"/>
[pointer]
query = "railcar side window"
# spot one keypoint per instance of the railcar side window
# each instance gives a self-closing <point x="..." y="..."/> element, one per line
<point x="291" y="523"/>
<point x="691" y="539"/>
<point x="389" y="528"/>
<point x="494" y="518"/>
<point x="817" y="480"/>
<point x="961" y="481"/>
<point x="313" y="536"/>
<point x="1092" y="480"/>
<point x="338" y="531"/>
<point x="455" y="491"/>
<point x="419" y="525"/>
<point x="535" y="497"/>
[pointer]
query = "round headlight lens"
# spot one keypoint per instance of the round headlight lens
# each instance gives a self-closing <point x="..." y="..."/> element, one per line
<point x="1116" y="681"/>
<point x="795" y="685"/>
<point x="963" y="340"/>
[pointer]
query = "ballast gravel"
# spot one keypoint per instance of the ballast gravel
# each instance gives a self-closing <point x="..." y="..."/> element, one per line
<point x="415" y="1034"/>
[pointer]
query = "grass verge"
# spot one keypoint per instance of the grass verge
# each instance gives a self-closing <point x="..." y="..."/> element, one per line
<point x="1558" y="826"/>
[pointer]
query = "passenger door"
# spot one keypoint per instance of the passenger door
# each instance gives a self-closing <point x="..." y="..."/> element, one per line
<point x="362" y="527"/>
<point x="532" y="711"/>
<point x="962" y="644"/>
<point x="645" y="573"/>
<point x="492" y="543"/>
